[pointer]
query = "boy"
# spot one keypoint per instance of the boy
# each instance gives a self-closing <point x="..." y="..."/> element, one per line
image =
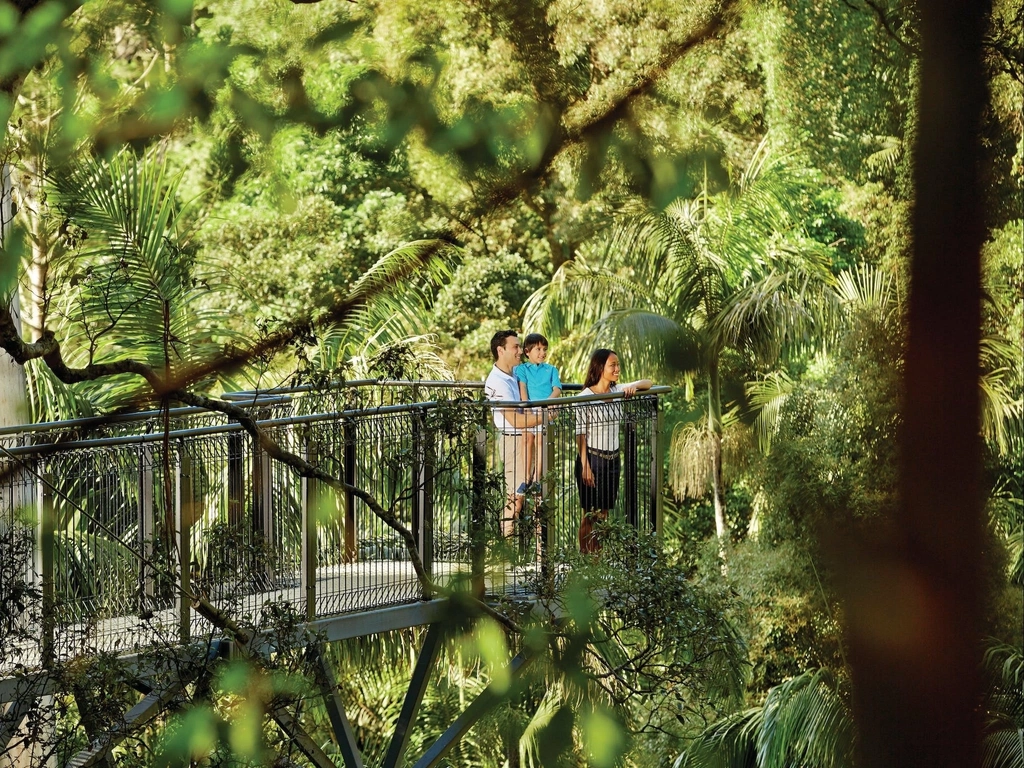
<point x="537" y="381"/>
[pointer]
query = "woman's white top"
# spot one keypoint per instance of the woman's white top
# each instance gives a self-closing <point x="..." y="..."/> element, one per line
<point x="600" y="421"/>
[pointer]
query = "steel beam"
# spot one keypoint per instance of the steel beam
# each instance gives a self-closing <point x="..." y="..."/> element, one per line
<point x="148" y="707"/>
<point x="413" y="697"/>
<point x="340" y="724"/>
<point x="13" y="717"/>
<point x="294" y="730"/>
<point x="479" y="707"/>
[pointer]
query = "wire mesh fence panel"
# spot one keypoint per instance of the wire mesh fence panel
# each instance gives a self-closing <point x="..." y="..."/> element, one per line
<point x="94" y="500"/>
<point x="20" y="575"/>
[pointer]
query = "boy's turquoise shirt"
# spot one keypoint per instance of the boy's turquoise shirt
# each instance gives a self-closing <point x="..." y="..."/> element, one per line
<point x="540" y="379"/>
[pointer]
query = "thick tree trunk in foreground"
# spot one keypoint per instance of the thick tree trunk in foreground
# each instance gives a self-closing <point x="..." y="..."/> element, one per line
<point x="13" y="386"/>
<point x="914" y="599"/>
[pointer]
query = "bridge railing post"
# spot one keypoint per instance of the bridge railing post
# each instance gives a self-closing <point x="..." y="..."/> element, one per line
<point x="44" y="556"/>
<point x="548" y="529"/>
<point x="310" y="509"/>
<point x="183" y="509"/>
<point x="478" y="507"/>
<point x="423" y="491"/>
<point x="348" y="469"/>
<point x="658" y="440"/>
<point x="236" y="479"/>
<point x="147" y="525"/>
<point x="633" y="411"/>
<point x="263" y="509"/>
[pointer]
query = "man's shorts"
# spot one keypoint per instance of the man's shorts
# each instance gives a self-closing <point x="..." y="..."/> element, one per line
<point x="512" y="450"/>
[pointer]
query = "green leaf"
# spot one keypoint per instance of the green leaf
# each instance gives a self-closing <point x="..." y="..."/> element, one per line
<point x="604" y="737"/>
<point x="493" y="649"/>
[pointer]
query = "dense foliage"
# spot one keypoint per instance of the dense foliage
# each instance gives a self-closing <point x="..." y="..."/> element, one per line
<point x="720" y="190"/>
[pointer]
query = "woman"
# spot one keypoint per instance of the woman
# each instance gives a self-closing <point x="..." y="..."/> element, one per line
<point x="597" y="437"/>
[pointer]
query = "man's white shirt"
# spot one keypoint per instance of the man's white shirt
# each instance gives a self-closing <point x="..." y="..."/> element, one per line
<point x="502" y="386"/>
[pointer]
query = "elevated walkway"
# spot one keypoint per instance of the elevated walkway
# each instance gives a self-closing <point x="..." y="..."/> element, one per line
<point x="108" y="525"/>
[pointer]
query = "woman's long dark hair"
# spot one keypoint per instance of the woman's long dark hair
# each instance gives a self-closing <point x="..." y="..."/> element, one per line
<point x="597" y="361"/>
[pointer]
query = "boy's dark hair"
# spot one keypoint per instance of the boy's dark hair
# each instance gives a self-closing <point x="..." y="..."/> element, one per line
<point x="498" y="340"/>
<point x="532" y="340"/>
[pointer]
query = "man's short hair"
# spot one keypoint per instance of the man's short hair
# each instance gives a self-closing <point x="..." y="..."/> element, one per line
<point x="532" y="340"/>
<point x="498" y="340"/>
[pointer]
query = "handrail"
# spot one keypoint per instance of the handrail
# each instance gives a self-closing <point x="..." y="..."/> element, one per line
<point x="228" y="427"/>
<point x="659" y="389"/>
<point x="127" y="417"/>
<point x="253" y="398"/>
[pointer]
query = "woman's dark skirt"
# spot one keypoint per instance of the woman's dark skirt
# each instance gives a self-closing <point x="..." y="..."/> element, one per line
<point x="605" y="491"/>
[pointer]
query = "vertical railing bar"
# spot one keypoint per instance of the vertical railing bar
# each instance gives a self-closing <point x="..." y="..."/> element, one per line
<point x="44" y="562"/>
<point x="147" y="522"/>
<point x="547" y="530"/>
<point x="630" y="470"/>
<point x="657" y="467"/>
<point x="183" y="503"/>
<point x="235" y="479"/>
<point x="477" y="531"/>
<point x="309" y="553"/>
<point x="349" y="472"/>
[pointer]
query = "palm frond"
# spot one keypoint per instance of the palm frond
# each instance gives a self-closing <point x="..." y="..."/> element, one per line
<point x="1003" y="744"/>
<point x="728" y="743"/>
<point x="529" y="748"/>
<point x="650" y="344"/>
<point x="579" y="295"/>
<point x="887" y="156"/>
<point x="768" y="397"/>
<point x="1003" y="749"/>
<point x="767" y="314"/>
<point x="418" y="262"/>
<point x="867" y="287"/>
<point x="806" y="722"/>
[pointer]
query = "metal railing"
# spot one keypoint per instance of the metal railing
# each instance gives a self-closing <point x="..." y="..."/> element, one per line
<point x="101" y="537"/>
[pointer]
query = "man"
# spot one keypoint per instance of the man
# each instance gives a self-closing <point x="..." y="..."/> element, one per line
<point x="501" y="384"/>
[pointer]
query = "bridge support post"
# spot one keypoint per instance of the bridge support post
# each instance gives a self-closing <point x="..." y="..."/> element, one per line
<point x="413" y="697"/>
<point x="348" y="468"/>
<point x="629" y="466"/>
<point x="478" y="510"/>
<point x="309" y="555"/>
<point x="423" y="492"/>
<point x="236" y="481"/>
<point x="340" y="724"/>
<point x="263" y="510"/>
<point x="44" y="564"/>
<point x="657" y="469"/>
<point x="147" y="525"/>
<point x="183" y="508"/>
<point x="547" y="529"/>
<point x="479" y="707"/>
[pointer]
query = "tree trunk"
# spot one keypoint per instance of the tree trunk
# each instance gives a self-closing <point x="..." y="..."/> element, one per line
<point x="914" y="594"/>
<point x="13" y="387"/>
<point x="715" y="428"/>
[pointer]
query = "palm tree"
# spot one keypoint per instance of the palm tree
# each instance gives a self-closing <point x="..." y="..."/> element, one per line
<point x="804" y="721"/>
<point x="676" y="288"/>
<point x="131" y="282"/>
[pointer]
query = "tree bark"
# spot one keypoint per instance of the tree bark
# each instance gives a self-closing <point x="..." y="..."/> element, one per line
<point x="914" y="596"/>
<point x="13" y="387"/>
<point x="715" y="428"/>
